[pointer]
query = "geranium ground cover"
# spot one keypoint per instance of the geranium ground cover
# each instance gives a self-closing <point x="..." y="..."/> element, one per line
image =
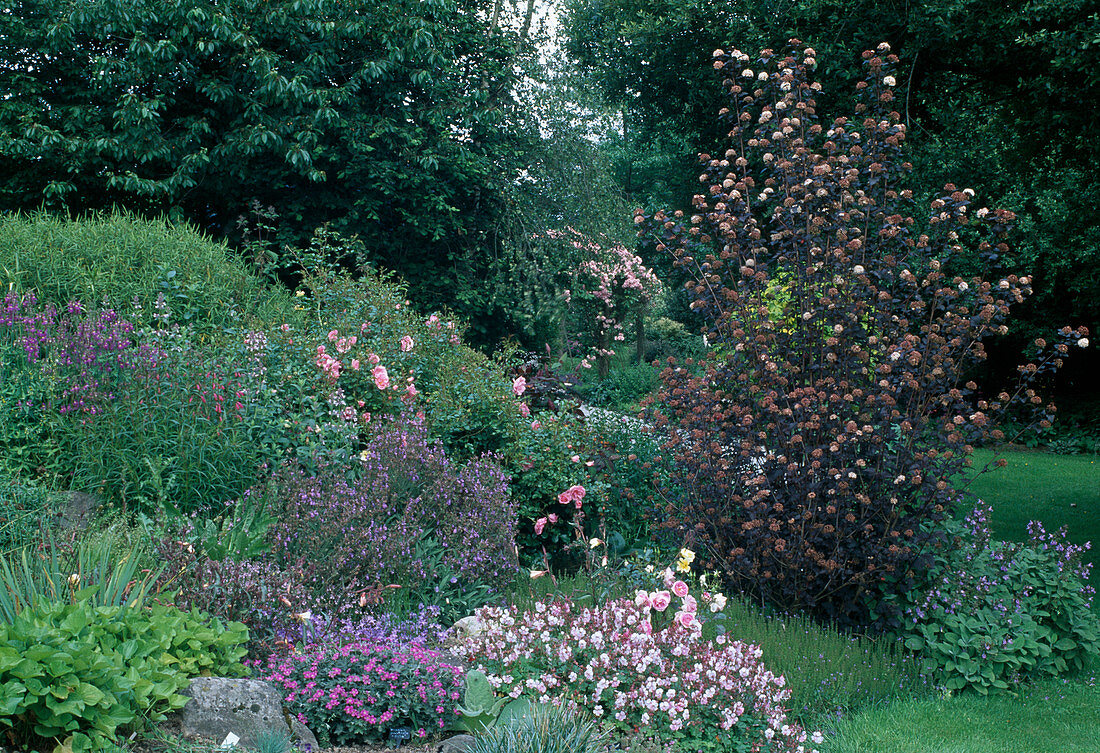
<point x="621" y="661"/>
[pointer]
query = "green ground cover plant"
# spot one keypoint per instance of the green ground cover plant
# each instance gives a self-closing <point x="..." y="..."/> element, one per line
<point x="1057" y="490"/>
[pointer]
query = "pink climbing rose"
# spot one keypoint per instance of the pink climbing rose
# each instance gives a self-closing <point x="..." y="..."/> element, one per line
<point x="381" y="377"/>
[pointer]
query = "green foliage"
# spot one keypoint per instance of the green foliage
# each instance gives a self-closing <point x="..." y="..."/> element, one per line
<point x="116" y="259"/>
<point x="74" y="674"/>
<point x="991" y="614"/>
<point x="543" y="728"/>
<point x="830" y="672"/>
<point x="391" y="120"/>
<point x="27" y="512"/>
<point x="481" y="709"/>
<point x="99" y="571"/>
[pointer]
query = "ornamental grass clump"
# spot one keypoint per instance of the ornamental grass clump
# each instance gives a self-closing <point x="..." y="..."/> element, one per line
<point x="635" y="665"/>
<point x="823" y="431"/>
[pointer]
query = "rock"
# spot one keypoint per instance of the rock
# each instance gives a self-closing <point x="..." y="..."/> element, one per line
<point x="219" y="705"/>
<point x="456" y="744"/>
<point x="307" y="741"/>
<point x="468" y="627"/>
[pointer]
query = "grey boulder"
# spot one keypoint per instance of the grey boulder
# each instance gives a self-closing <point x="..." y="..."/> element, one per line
<point x="218" y="706"/>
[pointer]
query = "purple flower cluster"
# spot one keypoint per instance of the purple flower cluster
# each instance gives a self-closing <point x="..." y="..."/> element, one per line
<point x="86" y="354"/>
<point x="361" y="532"/>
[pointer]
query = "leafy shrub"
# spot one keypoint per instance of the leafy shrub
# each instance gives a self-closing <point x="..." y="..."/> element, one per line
<point x="994" y="614"/>
<point x="823" y="431"/>
<point x="359" y="536"/>
<point x="631" y="663"/>
<point x="543" y="729"/>
<point x="624" y="384"/>
<point x="75" y="674"/>
<point x="256" y="593"/>
<point x="115" y="259"/>
<point x="354" y="693"/>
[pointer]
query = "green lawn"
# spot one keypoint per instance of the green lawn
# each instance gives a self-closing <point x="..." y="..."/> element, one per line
<point x="1049" y="717"/>
<point x="1059" y="490"/>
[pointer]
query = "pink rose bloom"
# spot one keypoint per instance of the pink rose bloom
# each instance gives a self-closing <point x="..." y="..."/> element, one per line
<point x="373" y="359"/>
<point x="668" y="577"/>
<point x="536" y="425"/>
<point x="333" y="335"/>
<point x="680" y="588"/>
<point x="540" y="524"/>
<point x="411" y="390"/>
<point x="407" y="344"/>
<point x="685" y="618"/>
<point x="524" y="410"/>
<point x="641" y="598"/>
<point x="381" y="378"/>
<point x="355" y="364"/>
<point x="660" y="600"/>
<point x="690" y="605"/>
<point x="519" y="386"/>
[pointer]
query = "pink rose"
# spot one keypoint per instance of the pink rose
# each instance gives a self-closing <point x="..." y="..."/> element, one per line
<point x="660" y="600"/>
<point x="519" y="386"/>
<point x="680" y="588"/>
<point x="641" y="598"/>
<point x="333" y="335"/>
<point x="373" y="359"/>
<point x="690" y="605"/>
<point x="540" y="524"/>
<point x="381" y="378"/>
<point x="411" y="391"/>
<point x="407" y="344"/>
<point x="524" y="410"/>
<point x="355" y="364"/>
<point x="536" y="425"/>
<point x="685" y="618"/>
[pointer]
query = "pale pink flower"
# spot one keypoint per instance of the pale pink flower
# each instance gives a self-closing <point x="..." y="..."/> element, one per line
<point x="524" y="410"/>
<point x="373" y="359"/>
<point x="680" y="588"/>
<point x="536" y="425"/>
<point x="333" y="335"/>
<point x="540" y="524"/>
<point x="355" y="364"/>
<point x="689" y="604"/>
<point x="685" y="618"/>
<point x="660" y="600"/>
<point x="407" y="344"/>
<point x="519" y="386"/>
<point x="381" y="377"/>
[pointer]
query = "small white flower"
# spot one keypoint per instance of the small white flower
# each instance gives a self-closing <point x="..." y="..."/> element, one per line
<point x="889" y="81"/>
<point x="963" y="287"/>
<point x="747" y="73"/>
<point x="858" y="269"/>
<point x="1083" y="342"/>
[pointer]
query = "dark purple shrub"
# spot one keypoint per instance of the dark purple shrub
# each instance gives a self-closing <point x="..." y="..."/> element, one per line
<point x="828" y="424"/>
<point x="267" y="599"/>
<point x="406" y="516"/>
